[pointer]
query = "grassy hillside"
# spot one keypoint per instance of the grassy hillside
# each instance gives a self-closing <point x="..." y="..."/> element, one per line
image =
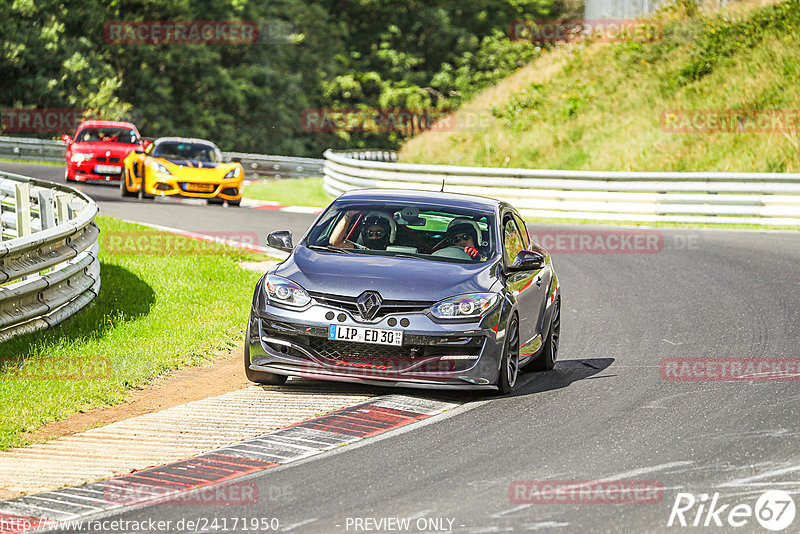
<point x="603" y="106"/>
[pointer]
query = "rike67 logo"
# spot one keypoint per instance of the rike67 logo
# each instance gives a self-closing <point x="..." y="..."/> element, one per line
<point x="774" y="510"/>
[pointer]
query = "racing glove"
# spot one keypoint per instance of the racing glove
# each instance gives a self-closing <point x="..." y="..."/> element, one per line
<point x="472" y="251"/>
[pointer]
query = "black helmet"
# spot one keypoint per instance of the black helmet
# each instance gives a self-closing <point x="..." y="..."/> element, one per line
<point x="462" y="228"/>
<point x="376" y="242"/>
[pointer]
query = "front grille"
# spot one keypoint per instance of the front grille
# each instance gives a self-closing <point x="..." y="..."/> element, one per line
<point x="358" y="352"/>
<point x="101" y="159"/>
<point x="368" y="358"/>
<point x="113" y="160"/>
<point x="388" y="307"/>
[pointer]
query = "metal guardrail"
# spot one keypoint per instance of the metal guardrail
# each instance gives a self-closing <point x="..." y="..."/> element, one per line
<point x="260" y="165"/>
<point x="49" y="267"/>
<point x="32" y="149"/>
<point x="685" y="197"/>
<point x="276" y="166"/>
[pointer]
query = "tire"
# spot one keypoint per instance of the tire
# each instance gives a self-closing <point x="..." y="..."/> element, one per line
<point x="123" y="187"/>
<point x="234" y="203"/>
<point x="216" y="201"/>
<point x="260" y="377"/>
<point x="547" y="360"/>
<point x="509" y="363"/>
<point x="67" y="177"/>
<point x="144" y="194"/>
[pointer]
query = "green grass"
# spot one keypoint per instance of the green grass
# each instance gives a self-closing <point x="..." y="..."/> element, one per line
<point x="602" y="108"/>
<point x="38" y="162"/>
<point x="290" y="192"/>
<point x="156" y="312"/>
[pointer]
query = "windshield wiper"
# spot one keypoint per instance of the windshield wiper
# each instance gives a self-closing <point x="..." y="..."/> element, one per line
<point x="329" y="248"/>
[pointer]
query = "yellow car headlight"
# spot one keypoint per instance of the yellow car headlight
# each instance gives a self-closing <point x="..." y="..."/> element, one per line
<point x="158" y="167"/>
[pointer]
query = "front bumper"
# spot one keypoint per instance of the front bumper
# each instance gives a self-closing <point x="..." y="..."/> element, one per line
<point x="164" y="185"/>
<point x="85" y="171"/>
<point x="433" y="355"/>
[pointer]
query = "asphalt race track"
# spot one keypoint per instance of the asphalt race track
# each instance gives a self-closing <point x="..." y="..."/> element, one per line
<point x="227" y="222"/>
<point x="607" y="412"/>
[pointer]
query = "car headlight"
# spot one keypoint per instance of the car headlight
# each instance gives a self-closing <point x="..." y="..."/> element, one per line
<point x="158" y="167"/>
<point x="233" y="173"/>
<point x="80" y="157"/>
<point x="284" y="291"/>
<point x="464" y="306"/>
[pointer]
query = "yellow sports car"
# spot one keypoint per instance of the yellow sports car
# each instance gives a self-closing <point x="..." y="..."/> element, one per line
<point x="185" y="167"/>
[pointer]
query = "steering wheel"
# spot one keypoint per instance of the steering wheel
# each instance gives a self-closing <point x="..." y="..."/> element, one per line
<point x="356" y="245"/>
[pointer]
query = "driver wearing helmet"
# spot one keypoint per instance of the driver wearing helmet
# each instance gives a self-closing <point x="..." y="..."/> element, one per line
<point x="376" y="231"/>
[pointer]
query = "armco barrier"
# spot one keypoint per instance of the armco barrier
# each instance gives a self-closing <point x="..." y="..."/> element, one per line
<point x="701" y="197"/>
<point x="261" y="165"/>
<point x="49" y="267"/>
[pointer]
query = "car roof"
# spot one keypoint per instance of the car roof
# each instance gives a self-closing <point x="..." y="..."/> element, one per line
<point x="119" y="124"/>
<point x="428" y="198"/>
<point x="184" y="140"/>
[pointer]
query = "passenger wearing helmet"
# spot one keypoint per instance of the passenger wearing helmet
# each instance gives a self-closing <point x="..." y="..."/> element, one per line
<point x="464" y="233"/>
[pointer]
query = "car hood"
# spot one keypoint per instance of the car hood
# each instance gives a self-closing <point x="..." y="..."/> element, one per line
<point x="192" y="164"/>
<point x="118" y="150"/>
<point x="395" y="278"/>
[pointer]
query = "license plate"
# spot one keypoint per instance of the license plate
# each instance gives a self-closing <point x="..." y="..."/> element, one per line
<point x="361" y="334"/>
<point x="108" y="169"/>
<point x="200" y="188"/>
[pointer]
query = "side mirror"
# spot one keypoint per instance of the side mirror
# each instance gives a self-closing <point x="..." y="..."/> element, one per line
<point x="282" y="240"/>
<point x="67" y="139"/>
<point x="527" y="260"/>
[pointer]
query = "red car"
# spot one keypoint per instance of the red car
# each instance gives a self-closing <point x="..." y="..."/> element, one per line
<point x="99" y="148"/>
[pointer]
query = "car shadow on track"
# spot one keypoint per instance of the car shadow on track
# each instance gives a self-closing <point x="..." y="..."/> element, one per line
<point x="565" y="373"/>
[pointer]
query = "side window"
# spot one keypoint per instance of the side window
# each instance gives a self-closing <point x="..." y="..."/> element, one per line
<point x="526" y="239"/>
<point x="512" y="240"/>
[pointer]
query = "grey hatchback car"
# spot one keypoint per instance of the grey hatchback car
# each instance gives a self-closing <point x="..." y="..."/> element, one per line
<point x="412" y="288"/>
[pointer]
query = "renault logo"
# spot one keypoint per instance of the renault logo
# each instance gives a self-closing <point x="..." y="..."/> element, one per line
<point x="368" y="304"/>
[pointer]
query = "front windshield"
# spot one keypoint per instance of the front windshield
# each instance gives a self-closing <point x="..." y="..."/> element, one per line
<point x="431" y="233"/>
<point x="106" y="134"/>
<point x="182" y="151"/>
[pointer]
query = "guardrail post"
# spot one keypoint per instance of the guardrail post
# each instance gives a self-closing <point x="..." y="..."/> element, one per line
<point x="46" y="213"/>
<point x="63" y="210"/>
<point x="22" y="203"/>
